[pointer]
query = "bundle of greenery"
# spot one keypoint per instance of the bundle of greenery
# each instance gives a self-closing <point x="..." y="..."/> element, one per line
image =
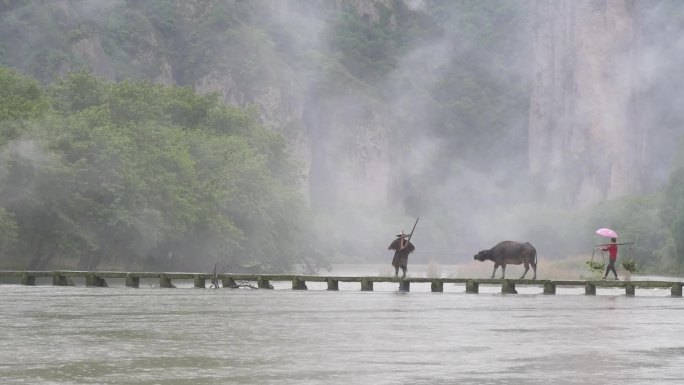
<point x="596" y="266"/>
<point x="630" y="265"/>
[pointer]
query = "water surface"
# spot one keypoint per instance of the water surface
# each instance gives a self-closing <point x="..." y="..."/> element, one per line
<point x="118" y="335"/>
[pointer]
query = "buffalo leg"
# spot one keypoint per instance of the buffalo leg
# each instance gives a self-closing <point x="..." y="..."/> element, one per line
<point x="496" y="265"/>
<point x="527" y="267"/>
<point x="534" y="269"/>
<point x="503" y="271"/>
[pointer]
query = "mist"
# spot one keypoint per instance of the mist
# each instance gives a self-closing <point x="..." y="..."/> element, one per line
<point x="460" y="182"/>
<point x="471" y="181"/>
<point x="534" y="121"/>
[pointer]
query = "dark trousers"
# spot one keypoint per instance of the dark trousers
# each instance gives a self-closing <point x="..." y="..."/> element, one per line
<point x="611" y="267"/>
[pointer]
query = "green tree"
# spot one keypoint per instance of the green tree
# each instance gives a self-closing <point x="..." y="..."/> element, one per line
<point x="20" y="96"/>
<point x="138" y="175"/>
<point x="76" y="92"/>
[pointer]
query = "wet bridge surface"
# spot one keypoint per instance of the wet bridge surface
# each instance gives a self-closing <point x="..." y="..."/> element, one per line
<point x="263" y="281"/>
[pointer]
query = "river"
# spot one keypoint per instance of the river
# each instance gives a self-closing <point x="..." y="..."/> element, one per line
<point x="119" y="335"/>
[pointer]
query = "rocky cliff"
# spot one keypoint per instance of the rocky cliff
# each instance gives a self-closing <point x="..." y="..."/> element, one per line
<point x="337" y="133"/>
<point x="340" y="96"/>
<point x="584" y="137"/>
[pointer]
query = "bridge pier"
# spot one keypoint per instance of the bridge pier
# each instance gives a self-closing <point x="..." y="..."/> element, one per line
<point x="61" y="280"/>
<point x="333" y="284"/>
<point x="366" y="285"/>
<point x="676" y="290"/>
<point x="298" y="284"/>
<point x="629" y="289"/>
<point x="229" y="282"/>
<point x="263" y="283"/>
<point x="589" y="289"/>
<point x="165" y="281"/>
<point x="437" y="286"/>
<point x="199" y="281"/>
<point x="472" y="287"/>
<point x="508" y="287"/>
<point x="132" y="281"/>
<point x="93" y="280"/>
<point x="404" y="285"/>
<point x="28" y="280"/>
<point x="549" y="287"/>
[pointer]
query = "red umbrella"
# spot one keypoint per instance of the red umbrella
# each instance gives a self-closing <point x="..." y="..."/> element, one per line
<point x="604" y="232"/>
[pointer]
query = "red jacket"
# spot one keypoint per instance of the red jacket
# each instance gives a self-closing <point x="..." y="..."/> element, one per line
<point x="612" y="251"/>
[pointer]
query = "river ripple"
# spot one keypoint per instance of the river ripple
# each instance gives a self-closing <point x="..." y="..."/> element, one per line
<point x="118" y="335"/>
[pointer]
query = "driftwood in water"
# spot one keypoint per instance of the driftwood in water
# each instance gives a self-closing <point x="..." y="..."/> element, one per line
<point x="228" y="282"/>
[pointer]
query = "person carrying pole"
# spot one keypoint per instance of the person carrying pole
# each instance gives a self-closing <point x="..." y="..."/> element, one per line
<point x="612" y="250"/>
<point x="402" y="247"/>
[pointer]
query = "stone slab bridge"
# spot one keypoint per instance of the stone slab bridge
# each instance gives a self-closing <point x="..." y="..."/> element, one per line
<point x="263" y="281"/>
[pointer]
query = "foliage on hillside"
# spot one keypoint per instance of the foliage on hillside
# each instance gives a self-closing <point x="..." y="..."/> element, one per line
<point x="137" y="175"/>
<point x="134" y="170"/>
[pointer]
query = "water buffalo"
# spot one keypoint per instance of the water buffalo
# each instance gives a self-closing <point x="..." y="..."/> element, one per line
<point x="510" y="252"/>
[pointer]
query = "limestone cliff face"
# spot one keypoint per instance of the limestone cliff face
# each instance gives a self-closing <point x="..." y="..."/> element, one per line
<point x="350" y="160"/>
<point x="583" y="139"/>
<point x="90" y="51"/>
<point x="349" y="153"/>
<point x="87" y="46"/>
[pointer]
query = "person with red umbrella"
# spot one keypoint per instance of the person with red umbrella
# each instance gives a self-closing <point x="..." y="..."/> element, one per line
<point x="612" y="250"/>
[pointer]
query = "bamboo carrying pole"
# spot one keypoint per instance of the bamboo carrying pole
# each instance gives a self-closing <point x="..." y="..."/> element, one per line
<point x="623" y="243"/>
